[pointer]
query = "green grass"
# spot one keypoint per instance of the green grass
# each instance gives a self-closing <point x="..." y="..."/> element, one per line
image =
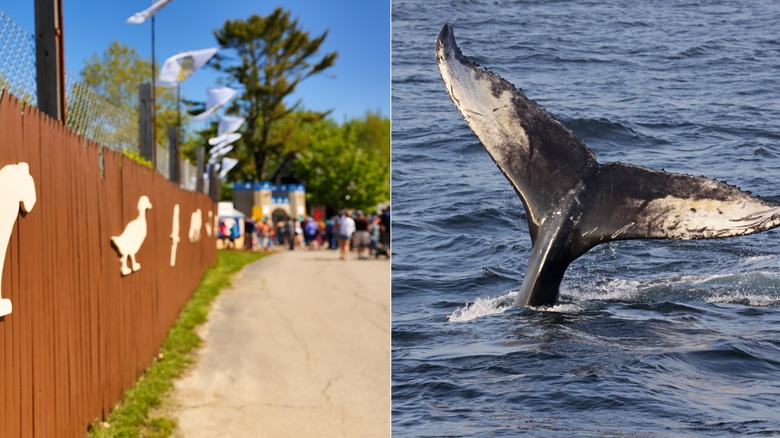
<point x="131" y="418"/>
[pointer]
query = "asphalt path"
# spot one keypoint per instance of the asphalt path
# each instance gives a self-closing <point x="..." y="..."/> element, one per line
<point x="298" y="346"/>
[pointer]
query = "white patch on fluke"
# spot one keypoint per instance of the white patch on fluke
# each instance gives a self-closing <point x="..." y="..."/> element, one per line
<point x="691" y="219"/>
<point x="491" y="117"/>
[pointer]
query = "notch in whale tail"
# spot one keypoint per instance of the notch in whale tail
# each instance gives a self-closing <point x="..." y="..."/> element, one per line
<point x="572" y="202"/>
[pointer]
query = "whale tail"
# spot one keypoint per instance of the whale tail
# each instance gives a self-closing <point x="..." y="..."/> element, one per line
<point x="572" y="202"/>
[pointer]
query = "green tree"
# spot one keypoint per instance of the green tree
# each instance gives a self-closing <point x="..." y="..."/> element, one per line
<point x="271" y="55"/>
<point x="115" y="75"/>
<point x="348" y="165"/>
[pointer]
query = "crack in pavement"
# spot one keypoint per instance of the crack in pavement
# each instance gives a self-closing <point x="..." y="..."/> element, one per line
<point x="328" y="398"/>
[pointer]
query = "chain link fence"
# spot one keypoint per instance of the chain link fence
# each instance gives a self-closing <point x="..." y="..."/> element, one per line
<point x="187" y="171"/>
<point x="17" y="60"/>
<point x="92" y="116"/>
<point x="87" y="113"/>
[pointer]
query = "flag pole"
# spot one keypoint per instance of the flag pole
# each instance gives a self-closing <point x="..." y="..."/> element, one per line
<point x="154" y="91"/>
<point x="178" y="106"/>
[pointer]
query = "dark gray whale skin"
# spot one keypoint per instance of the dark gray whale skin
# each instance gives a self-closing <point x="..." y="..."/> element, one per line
<point x="573" y="203"/>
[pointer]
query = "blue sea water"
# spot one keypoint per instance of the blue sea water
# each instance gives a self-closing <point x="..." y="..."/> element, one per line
<point x="650" y="338"/>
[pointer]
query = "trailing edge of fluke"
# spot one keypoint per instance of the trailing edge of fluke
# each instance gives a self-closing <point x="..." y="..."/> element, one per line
<point x="572" y="202"/>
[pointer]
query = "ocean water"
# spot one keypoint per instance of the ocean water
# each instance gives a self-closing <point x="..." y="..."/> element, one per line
<point x="650" y="338"/>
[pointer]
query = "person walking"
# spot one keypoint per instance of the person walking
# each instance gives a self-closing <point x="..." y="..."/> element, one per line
<point x="249" y="234"/>
<point x="384" y="233"/>
<point x="266" y="236"/>
<point x="361" y="239"/>
<point x="290" y="233"/>
<point x="330" y="232"/>
<point x="345" y="231"/>
<point x="310" y="230"/>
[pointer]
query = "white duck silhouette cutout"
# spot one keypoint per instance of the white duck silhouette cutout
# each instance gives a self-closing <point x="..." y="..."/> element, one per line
<point x="18" y="193"/>
<point x="129" y="242"/>
<point x="207" y="224"/>
<point x="196" y="221"/>
<point x="175" y="234"/>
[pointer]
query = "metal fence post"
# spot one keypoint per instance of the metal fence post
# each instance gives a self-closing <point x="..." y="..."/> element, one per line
<point x="214" y="186"/>
<point x="200" y="169"/>
<point x="174" y="163"/>
<point x="146" y="123"/>
<point x="50" y="58"/>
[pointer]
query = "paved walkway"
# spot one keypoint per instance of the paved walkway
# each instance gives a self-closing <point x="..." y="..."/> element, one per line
<point x="299" y="346"/>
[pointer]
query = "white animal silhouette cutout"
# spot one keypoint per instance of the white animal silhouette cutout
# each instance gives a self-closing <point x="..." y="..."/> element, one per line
<point x="129" y="242"/>
<point x="18" y="193"/>
<point x="207" y="225"/>
<point x="196" y="221"/>
<point x="175" y="234"/>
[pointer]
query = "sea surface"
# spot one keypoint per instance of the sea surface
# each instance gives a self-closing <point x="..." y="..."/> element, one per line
<point x="650" y="338"/>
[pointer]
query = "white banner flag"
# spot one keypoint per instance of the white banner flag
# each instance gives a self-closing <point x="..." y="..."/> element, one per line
<point x="179" y="67"/>
<point x="140" y="17"/>
<point x="227" y="164"/>
<point x="229" y="138"/>
<point x="215" y="99"/>
<point x="227" y="126"/>
<point x="213" y="158"/>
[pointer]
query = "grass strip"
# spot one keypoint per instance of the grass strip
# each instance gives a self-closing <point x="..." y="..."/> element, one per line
<point x="130" y="418"/>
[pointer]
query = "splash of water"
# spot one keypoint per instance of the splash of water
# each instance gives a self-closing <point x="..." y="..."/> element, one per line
<point x="739" y="289"/>
<point x="483" y="307"/>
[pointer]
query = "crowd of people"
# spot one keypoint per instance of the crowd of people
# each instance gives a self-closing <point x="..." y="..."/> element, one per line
<point x="353" y="231"/>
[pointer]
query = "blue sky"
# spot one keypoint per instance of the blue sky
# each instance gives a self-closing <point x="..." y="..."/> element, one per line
<point x="359" y="32"/>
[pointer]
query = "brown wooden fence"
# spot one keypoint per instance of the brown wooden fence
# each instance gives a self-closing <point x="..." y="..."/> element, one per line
<point x="80" y="333"/>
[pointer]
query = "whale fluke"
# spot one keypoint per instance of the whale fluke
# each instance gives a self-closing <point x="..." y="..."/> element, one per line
<point x="572" y="202"/>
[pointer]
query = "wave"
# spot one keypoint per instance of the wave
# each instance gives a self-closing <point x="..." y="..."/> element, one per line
<point x="600" y="128"/>
<point x="753" y="289"/>
<point x="746" y="299"/>
<point x="757" y="289"/>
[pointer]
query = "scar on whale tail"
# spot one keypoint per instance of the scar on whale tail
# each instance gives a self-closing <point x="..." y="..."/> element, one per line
<point x="572" y="202"/>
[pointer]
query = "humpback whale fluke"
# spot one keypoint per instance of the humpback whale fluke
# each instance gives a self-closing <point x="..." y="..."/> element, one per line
<point x="573" y="203"/>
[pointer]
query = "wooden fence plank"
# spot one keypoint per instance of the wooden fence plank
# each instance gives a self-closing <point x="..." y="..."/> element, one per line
<point x="95" y="274"/>
<point x="6" y="157"/>
<point x="60" y="278"/>
<point x="29" y="257"/>
<point x="44" y="417"/>
<point x="12" y="381"/>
